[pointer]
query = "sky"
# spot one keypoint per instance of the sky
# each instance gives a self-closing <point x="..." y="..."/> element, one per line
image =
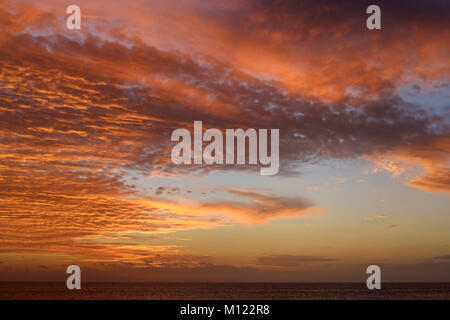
<point x="86" y="118"/>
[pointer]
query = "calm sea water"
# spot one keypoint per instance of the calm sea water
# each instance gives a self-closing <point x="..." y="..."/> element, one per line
<point x="223" y="291"/>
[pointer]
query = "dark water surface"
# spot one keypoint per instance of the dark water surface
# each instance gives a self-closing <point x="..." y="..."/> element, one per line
<point x="223" y="291"/>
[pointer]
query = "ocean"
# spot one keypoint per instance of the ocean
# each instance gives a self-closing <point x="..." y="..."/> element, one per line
<point x="223" y="291"/>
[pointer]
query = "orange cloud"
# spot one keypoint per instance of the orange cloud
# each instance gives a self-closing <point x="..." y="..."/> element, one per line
<point x="433" y="157"/>
<point x="392" y="226"/>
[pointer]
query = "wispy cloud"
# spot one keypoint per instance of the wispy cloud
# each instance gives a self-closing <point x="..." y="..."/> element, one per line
<point x="289" y="260"/>
<point x="381" y="216"/>
<point x="392" y="226"/>
<point x="444" y="257"/>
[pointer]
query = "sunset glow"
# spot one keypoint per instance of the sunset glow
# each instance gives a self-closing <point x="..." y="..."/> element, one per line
<point x="86" y="116"/>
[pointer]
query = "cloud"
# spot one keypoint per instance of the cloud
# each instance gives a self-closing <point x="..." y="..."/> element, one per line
<point x="289" y="260"/>
<point x="381" y="216"/>
<point x="313" y="188"/>
<point x="259" y="207"/>
<point x="431" y="156"/>
<point x="160" y="190"/>
<point x="436" y="179"/>
<point x="147" y="96"/>
<point x="249" y="208"/>
<point x="392" y="226"/>
<point x="444" y="257"/>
